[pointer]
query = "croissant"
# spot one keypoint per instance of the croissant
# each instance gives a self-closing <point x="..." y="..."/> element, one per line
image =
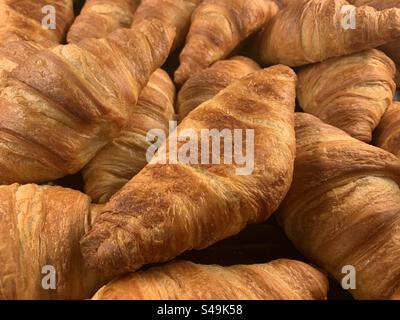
<point x="40" y="228"/>
<point x="99" y="18"/>
<point x="316" y="30"/>
<point x="62" y="105"/>
<point x="218" y="26"/>
<point x="281" y="279"/>
<point x="24" y="20"/>
<point x="174" y="12"/>
<point x="205" y="84"/>
<point x="343" y="208"/>
<point x="351" y="92"/>
<point x="388" y="131"/>
<point x="172" y="206"/>
<point x="125" y="156"/>
<point x="392" y="49"/>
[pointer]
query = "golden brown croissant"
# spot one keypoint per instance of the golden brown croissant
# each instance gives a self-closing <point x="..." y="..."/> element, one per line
<point x="125" y="156"/>
<point x="343" y="208"/>
<point x="27" y="20"/>
<point x="40" y="228"/>
<point x="205" y="84"/>
<point x="281" y="279"/>
<point x="392" y="49"/>
<point x="99" y="18"/>
<point x="350" y="92"/>
<point x="177" y="13"/>
<point x="218" y="26"/>
<point x="388" y="131"/>
<point x="316" y="30"/>
<point x="179" y="205"/>
<point x="65" y="103"/>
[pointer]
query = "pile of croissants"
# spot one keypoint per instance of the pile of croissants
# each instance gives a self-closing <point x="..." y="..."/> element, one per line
<point x="82" y="96"/>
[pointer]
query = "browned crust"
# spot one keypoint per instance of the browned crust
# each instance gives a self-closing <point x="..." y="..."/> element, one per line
<point x="41" y="225"/>
<point x="205" y="84"/>
<point x="176" y="13"/>
<point x="343" y="207"/>
<point x="218" y="26"/>
<point x="169" y="208"/>
<point x="125" y="156"/>
<point x="388" y="131"/>
<point x="278" y="280"/>
<point x="62" y="105"/>
<point x="350" y="92"/>
<point x="23" y="20"/>
<point x="311" y="32"/>
<point x="99" y="18"/>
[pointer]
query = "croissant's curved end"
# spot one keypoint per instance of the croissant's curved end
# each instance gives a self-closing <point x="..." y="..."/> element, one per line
<point x="104" y="250"/>
<point x="184" y="71"/>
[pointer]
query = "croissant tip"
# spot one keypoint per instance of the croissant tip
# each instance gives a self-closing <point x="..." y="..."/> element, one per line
<point x="181" y="75"/>
<point x="284" y="69"/>
<point x="101" y="250"/>
<point x="187" y="69"/>
<point x="95" y="249"/>
<point x="88" y="250"/>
